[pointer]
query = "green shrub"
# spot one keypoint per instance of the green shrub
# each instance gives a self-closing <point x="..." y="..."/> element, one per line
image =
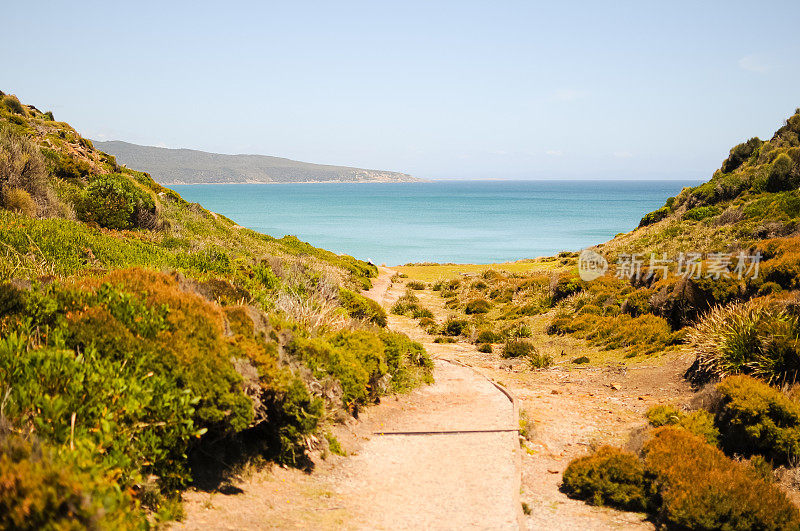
<point x="756" y="419"/>
<point x="699" y="422"/>
<point x="740" y="153"/>
<point x="581" y="360"/>
<point x="515" y="348"/>
<point x="477" y="306"/>
<point x="114" y="202"/>
<point x="695" y="486"/>
<point x="13" y="104"/>
<point x="654" y="216"/>
<point x="454" y="327"/>
<point x="487" y="336"/>
<point x="38" y="490"/>
<point x="485" y="348"/>
<point x="538" y="360"/>
<point x="753" y="337"/>
<point x="20" y="201"/>
<point x="780" y="176"/>
<point x="49" y="116"/>
<point x="607" y="477"/>
<point x="415" y="284"/>
<point x="421" y="313"/>
<point x="701" y="213"/>
<point x="565" y="285"/>
<point x="22" y="167"/>
<point x="360" y="307"/>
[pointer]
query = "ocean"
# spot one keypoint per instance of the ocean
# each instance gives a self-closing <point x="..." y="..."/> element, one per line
<point x="451" y="221"/>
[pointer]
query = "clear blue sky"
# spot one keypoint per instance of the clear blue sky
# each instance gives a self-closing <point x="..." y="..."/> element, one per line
<point x="437" y="89"/>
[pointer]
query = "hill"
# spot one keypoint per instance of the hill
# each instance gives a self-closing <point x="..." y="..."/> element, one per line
<point x="147" y="343"/>
<point x="188" y="166"/>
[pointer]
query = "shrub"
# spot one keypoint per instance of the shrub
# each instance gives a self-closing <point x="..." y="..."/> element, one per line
<point x="654" y="216"/>
<point x="756" y="419"/>
<point x="20" y="201"/>
<point x="565" y="285"/>
<point x="699" y="422"/>
<point x="515" y="348"/>
<point x="780" y="176"/>
<point x="13" y="104"/>
<point x="581" y="360"/>
<point x="454" y="327"/>
<point x="607" y="477"/>
<point x="360" y="307"/>
<point x="114" y="202"/>
<point x="487" y="336"/>
<point x="416" y="284"/>
<point x="421" y="313"/>
<point x="538" y="360"/>
<point x="739" y="154"/>
<point x="477" y="306"/>
<point x="40" y="491"/>
<point x="22" y="167"/>
<point x="697" y="487"/>
<point x="701" y="213"/>
<point x="753" y="337"/>
<point x="485" y="348"/>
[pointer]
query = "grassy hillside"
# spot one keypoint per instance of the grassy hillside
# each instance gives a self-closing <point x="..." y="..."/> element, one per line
<point x="189" y="166"/>
<point x="147" y="343"/>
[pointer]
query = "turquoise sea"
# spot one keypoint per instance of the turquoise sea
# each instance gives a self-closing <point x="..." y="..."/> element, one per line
<point x="456" y="221"/>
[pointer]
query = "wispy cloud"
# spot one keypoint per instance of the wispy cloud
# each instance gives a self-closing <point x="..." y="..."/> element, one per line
<point x="757" y="63"/>
<point x="554" y="153"/>
<point x="569" y="94"/>
<point x="622" y="154"/>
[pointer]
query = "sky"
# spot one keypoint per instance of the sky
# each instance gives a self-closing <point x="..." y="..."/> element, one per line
<point x="441" y="90"/>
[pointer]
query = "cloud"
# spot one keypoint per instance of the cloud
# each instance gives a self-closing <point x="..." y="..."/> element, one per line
<point x="569" y="95"/>
<point x="553" y="152"/>
<point x="622" y="154"/>
<point x="756" y="63"/>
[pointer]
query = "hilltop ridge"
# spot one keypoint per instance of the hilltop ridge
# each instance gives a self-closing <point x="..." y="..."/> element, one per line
<point x="190" y="166"/>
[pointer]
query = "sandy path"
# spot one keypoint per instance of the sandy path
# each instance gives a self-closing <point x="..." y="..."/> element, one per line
<point x="445" y="480"/>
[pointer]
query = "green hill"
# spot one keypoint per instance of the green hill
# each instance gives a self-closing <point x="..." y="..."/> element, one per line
<point x="189" y="166"/>
<point x="148" y="343"/>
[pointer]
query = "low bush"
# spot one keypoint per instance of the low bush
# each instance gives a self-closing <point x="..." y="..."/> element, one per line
<point x="115" y="202"/>
<point x="416" y="284"/>
<point x="752" y="337"/>
<point x="581" y="360"/>
<point x="454" y="327"/>
<point x="684" y="482"/>
<point x="13" y="104"/>
<point x="695" y="486"/>
<point x="515" y="348"/>
<point x="756" y="419"/>
<point x="477" y="306"/>
<point x="487" y="336"/>
<point x="20" y="201"/>
<point x="654" y="216"/>
<point x="485" y="348"/>
<point x="360" y="307"/>
<point x="701" y="213"/>
<point x="609" y="476"/>
<point x="699" y="422"/>
<point x="22" y="167"/>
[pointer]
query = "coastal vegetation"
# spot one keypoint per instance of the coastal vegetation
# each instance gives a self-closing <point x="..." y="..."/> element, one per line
<point x="149" y="344"/>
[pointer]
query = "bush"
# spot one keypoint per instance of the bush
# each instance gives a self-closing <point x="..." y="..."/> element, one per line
<point x="22" y="167"/>
<point x="415" y="284"/>
<point x="40" y="491"/>
<point x="454" y="327"/>
<point x="565" y="285"/>
<point x="753" y="337"/>
<point x="581" y="360"/>
<point x="477" y="306"/>
<point x="487" y="336"/>
<point x="607" y="477"/>
<point x="360" y="307"/>
<point x="538" y="360"/>
<point x="654" y="216"/>
<point x="739" y="154"/>
<point x="485" y="348"/>
<point x="697" y="487"/>
<point x="20" y="201"/>
<point x="780" y="176"/>
<point x="114" y="202"/>
<point x="13" y="104"/>
<point x="699" y="422"/>
<point x="756" y="419"/>
<point x="701" y="213"/>
<point x="515" y="348"/>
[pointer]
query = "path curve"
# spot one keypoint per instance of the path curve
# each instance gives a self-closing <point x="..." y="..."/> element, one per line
<point x="443" y="480"/>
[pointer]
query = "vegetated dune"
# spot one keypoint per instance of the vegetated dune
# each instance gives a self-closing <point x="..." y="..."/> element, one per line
<point x="189" y="166"/>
